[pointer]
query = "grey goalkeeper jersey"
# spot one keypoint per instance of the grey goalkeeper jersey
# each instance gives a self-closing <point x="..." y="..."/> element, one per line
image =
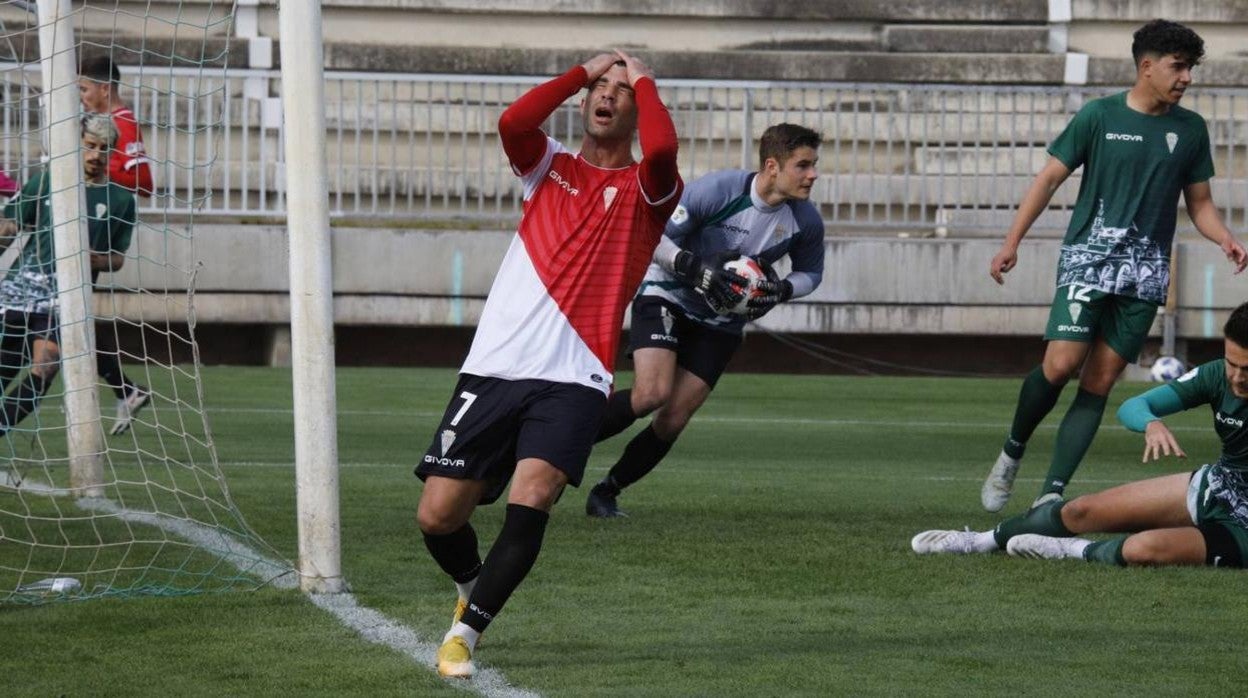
<point x="721" y="211"/>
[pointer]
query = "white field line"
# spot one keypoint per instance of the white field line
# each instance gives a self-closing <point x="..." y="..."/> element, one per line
<point x="722" y="419"/>
<point x="372" y="625"/>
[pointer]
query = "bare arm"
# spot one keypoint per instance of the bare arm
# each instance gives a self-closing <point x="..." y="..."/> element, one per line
<point x="1034" y="202"/>
<point x="8" y="233"/>
<point x="1208" y="221"/>
<point x="107" y="261"/>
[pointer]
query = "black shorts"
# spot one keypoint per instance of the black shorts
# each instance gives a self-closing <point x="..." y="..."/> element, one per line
<point x="22" y="326"/>
<point x="700" y="350"/>
<point x="491" y="423"/>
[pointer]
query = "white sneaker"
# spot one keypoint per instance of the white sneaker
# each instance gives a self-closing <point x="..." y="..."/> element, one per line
<point x="950" y="542"/>
<point x="1000" y="483"/>
<point x="1038" y="547"/>
<point x="1046" y="498"/>
<point x="129" y="406"/>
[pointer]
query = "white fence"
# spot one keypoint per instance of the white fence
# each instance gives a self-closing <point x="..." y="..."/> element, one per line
<point x="424" y="147"/>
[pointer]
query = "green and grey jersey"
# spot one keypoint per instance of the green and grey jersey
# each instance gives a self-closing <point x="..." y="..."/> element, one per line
<point x="721" y="212"/>
<point x="1135" y="165"/>
<point x="1207" y="385"/>
<point x="30" y="285"/>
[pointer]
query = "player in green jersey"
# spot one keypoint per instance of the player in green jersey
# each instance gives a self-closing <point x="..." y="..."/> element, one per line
<point x="1188" y="518"/>
<point x="28" y="292"/>
<point x="1139" y="151"/>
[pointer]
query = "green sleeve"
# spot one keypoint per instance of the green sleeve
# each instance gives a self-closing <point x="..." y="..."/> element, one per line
<point x="1202" y="168"/>
<point x="24" y="208"/>
<point x="1073" y="144"/>
<point x="1136" y="413"/>
<point x="1201" y="385"/>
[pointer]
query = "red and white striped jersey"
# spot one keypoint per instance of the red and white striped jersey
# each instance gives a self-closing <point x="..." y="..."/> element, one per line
<point x="556" y="306"/>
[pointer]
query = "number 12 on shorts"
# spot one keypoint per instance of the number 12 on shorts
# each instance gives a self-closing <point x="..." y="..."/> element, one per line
<point x="1079" y="292"/>
<point x="468" y="399"/>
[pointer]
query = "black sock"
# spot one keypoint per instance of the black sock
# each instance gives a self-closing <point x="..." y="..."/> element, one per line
<point x="619" y="415"/>
<point x="23" y="401"/>
<point x="507" y="564"/>
<point x="108" y="366"/>
<point x="639" y="458"/>
<point x="456" y="553"/>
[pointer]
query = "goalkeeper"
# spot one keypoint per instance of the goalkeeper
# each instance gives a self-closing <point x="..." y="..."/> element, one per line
<point x="680" y="344"/>
<point x="1189" y="518"/>
<point x="28" y="291"/>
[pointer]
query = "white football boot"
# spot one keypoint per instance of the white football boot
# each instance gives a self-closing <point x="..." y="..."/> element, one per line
<point x="1038" y="547"/>
<point x="953" y="542"/>
<point x="1000" y="483"/>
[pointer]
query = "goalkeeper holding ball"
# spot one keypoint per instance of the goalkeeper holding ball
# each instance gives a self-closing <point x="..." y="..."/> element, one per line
<point x="679" y="341"/>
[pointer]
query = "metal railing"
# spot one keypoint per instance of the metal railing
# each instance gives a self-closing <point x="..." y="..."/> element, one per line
<point x="424" y="147"/>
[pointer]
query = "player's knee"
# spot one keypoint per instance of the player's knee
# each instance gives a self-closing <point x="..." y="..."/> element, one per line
<point x="648" y="398"/>
<point x="435" y="520"/>
<point x="667" y="425"/>
<point x="45" y="372"/>
<point x="1143" y="549"/>
<point x="1077" y="512"/>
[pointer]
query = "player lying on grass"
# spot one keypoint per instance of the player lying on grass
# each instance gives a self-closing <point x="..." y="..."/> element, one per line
<point x="679" y="341"/>
<point x="1192" y="518"/>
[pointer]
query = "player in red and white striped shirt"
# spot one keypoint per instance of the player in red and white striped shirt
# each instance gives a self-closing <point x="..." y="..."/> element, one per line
<point x="533" y="389"/>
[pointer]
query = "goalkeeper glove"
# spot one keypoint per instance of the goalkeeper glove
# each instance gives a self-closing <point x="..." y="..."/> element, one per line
<point x="768" y="293"/>
<point x="721" y="288"/>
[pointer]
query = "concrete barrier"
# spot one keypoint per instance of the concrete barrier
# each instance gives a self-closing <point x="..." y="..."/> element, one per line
<point x="393" y="277"/>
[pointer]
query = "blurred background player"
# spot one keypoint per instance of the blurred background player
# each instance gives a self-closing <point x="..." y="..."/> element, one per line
<point x="99" y="90"/>
<point x="28" y="291"/>
<point x="1191" y="518"/>
<point x="1139" y="150"/>
<point x="532" y="392"/>
<point x="680" y="344"/>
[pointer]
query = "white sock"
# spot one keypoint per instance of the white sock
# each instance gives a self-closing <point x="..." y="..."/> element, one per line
<point x="465" y="588"/>
<point x="985" y="542"/>
<point x="465" y="631"/>
<point x="1077" y="546"/>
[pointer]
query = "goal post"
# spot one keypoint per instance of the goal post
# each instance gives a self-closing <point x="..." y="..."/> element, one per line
<point x="58" y="60"/>
<point x="311" y="298"/>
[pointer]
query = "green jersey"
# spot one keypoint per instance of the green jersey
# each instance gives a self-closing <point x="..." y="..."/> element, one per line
<point x="30" y="284"/>
<point x="1135" y="165"/>
<point x="1207" y="385"/>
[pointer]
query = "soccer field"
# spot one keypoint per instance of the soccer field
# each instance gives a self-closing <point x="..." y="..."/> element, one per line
<point x="768" y="555"/>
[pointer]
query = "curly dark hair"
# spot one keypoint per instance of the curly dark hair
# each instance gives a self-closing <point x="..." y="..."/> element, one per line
<point x="1162" y="37"/>
<point x="1236" y="328"/>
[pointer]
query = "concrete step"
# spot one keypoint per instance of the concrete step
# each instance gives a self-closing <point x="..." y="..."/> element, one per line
<point x="962" y="38"/>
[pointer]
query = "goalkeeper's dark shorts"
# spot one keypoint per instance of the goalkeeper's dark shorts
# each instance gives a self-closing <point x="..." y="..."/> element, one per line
<point x="19" y="324"/>
<point x="700" y="350"/>
<point x="492" y="423"/>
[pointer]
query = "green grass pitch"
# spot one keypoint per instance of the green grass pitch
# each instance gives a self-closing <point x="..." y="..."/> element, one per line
<point x="768" y="555"/>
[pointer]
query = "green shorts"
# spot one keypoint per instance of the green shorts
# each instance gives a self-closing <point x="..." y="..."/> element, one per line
<point x="1081" y="314"/>
<point x="1217" y="501"/>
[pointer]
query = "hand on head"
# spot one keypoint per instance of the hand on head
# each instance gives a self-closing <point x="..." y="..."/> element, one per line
<point x="636" y="69"/>
<point x="598" y="65"/>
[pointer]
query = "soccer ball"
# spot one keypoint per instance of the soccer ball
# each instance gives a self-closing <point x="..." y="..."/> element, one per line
<point x="1166" y="368"/>
<point x="752" y="271"/>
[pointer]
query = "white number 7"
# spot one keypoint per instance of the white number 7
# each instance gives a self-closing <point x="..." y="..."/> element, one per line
<point x="469" y="398"/>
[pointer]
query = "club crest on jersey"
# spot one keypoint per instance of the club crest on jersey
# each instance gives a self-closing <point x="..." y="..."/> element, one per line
<point x="608" y="195"/>
<point x="779" y="233"/>
<point x="558" y="179"/>
<point x="680" y="215"/>
<point x="101" y="210"/>
<point x="1172" y="139"/>
<point x="448" y="438"/>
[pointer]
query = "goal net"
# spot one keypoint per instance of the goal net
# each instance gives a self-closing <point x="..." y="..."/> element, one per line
<point x="127" y="497"/>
